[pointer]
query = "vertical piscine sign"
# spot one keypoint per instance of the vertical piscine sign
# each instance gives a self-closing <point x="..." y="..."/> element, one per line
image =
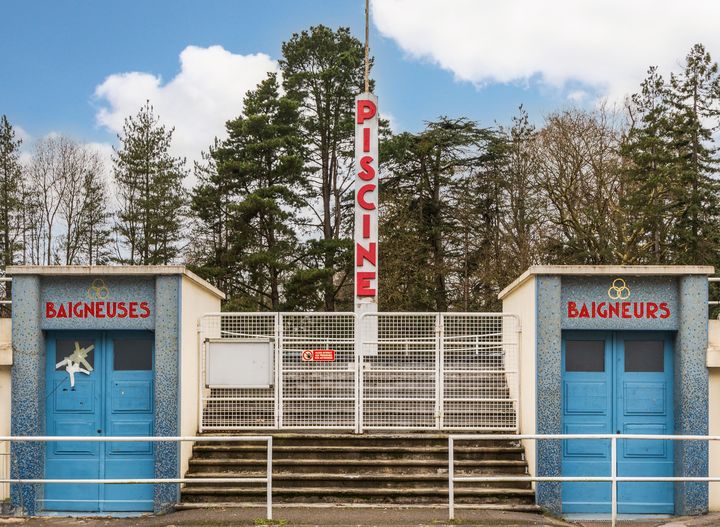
<point x="366" y="203"/>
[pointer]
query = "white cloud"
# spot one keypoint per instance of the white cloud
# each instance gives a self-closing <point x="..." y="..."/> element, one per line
<point x="606" y="45"/>
<point x="208" y="90"/>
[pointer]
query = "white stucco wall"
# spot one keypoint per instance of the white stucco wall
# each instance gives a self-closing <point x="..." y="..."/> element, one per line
<point x="196" y="301"/>
<point x="5" y="363"/>
<point x="714" y="409"/>
<point x="521" y="302"/>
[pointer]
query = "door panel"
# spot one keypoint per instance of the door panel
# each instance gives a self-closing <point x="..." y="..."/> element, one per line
<point x="114" y="398"/>
<point x="644" y="406"/>
<point x="130" y="413"/>
<point x="587" y="409"/>
<point x="73" y="411"/>
<point x="629" y="392"/>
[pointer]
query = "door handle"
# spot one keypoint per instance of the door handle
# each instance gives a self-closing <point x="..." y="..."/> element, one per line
<point x="99" y="431"/>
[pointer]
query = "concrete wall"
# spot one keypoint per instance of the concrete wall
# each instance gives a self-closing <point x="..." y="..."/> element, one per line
<point x="5" y="363"/>
<point x="196" y="301"/>
<point x="522" y="304"/>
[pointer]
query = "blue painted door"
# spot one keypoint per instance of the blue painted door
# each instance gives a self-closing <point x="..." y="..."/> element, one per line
<point x="617" y="383"/>
<point x="99" y="384"/>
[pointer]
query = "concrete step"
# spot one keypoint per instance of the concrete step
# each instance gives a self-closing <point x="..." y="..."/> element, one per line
<point x="347" y="480"/>
<point x="400" y="494"/>
<point x="507" y="506"/>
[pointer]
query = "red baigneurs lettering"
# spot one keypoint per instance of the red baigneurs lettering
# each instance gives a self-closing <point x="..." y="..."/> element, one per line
<point x="628" y="310"/>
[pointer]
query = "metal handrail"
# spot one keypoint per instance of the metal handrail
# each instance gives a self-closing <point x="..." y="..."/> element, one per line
<point x="613" y="479"/>
<point x="153" y="439"/>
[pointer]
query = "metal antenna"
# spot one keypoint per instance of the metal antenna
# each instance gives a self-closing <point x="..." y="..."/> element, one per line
<point x="367" y="46"/>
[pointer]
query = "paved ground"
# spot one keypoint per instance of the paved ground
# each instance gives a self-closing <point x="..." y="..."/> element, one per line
<point x="345" y="517"/>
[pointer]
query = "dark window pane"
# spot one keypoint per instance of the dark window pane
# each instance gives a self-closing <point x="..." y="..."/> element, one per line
<point x="644" y="355"/>
<point x="76" y="350"/>
<point x="130" y="354"/>
<point x="585" y="355"/>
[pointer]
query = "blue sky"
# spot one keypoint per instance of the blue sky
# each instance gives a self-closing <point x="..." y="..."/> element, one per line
<point x="451" y="57"/>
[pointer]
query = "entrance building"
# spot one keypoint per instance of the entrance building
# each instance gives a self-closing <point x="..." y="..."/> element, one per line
<point x="104" y="351"/>
<point x="614" y="349"/>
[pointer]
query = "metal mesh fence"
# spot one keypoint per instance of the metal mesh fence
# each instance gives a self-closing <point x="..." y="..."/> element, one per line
<point x="401" y="371"/>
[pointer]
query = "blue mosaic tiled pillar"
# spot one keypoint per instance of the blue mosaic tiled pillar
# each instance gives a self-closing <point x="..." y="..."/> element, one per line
<point x="28" y="380"/>
<point x="549" y="390"/>
<point x="691" y="395"/>
<point x="167" y="387"/>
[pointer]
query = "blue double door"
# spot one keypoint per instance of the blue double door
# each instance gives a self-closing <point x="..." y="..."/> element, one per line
<point x="99" y="384"/>
<point x="617" y="382"/>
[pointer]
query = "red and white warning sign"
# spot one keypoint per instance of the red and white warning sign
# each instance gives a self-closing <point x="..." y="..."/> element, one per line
<point x="318" y="355"/>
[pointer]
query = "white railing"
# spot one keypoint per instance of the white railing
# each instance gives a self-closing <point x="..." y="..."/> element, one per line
<point x="613" y="478"/>
<point x="147" y="481"/>
<point x="413" y="371"/>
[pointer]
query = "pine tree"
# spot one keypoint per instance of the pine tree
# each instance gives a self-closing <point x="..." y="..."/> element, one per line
<point x="648" y="173"/>
<point x="694" y="95"/>
<point x="323" y="70"/>
<point x="262" y="159"/>
<point x="10" y="192"/>
<point x="150" y="183"/>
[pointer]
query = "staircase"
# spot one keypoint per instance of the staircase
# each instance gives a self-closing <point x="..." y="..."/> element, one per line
<point x="376" y="468"/>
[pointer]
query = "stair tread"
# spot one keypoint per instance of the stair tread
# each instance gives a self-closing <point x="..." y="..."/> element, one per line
<point x="323" y="475"/>
<point x="349" y="490"/>
<point x="244" y="504"/>
<point x="343" y="448"/>
<point x="389" y="462"/>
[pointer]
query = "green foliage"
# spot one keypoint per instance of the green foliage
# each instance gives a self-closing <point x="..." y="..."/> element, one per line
<point x="11" y="202"/>
<point x="323" y="70"/>
<point x="249" y="199"/>
<point x="150" y="184"/>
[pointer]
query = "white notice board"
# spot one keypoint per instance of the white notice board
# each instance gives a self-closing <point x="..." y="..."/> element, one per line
<point x="239" y="363"/>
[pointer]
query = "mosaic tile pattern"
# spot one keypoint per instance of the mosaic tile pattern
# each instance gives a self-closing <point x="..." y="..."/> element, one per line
<point x="691" y="394"/>
<point x="549" y="389"/>
<point x="587" y="289"/>
<point x="167" y="387"/>
<point x="59" y="289"/>
<point x="28" y="380"/>
<point x="28" y="372"/>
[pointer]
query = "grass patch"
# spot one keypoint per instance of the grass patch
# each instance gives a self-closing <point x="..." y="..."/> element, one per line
<point x="265" y="521"/>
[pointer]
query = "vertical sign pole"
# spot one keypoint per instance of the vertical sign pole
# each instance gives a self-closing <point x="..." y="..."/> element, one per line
<point x="366" y="238"/>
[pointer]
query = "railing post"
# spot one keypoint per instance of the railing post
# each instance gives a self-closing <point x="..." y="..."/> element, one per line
<point x="269" y="477"/>
<point x="613" y="475"/>
<point x="451" y="478"/>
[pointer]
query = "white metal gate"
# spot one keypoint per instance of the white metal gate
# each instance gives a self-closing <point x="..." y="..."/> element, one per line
<point x="387" y="371"/>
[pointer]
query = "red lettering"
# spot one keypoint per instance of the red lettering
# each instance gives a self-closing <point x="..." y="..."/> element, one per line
<point x="145" y="308"/>
<point x="111" y="309"/>
<point x="133" y="310"/>
<point x="626" y="310"/>
<point x="100" y="310"/>
<point x="61" y="312"/>
<point x="77" y="311"/>
<point x="601" y="311"/>
<point x="584" y="313"/>
<point x="593" y="310"/>
<point x="361" y="197"/>
<point x="572" y="310"/>
<point x="366" y="226"/>
<point x="652" y="309"/>
<point x="639" y="309"/>
<point x="122" y="310"/>
<point x="664" y="310"/>
<point x="366" y="109"/>
<point x="368" y="172"/>
<point x="614" y="310"/>
<point x="363" y="286"/>
<point x="369" y="254"/>
<point x="366" y="139"/>
<point x="50" y="310"/>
